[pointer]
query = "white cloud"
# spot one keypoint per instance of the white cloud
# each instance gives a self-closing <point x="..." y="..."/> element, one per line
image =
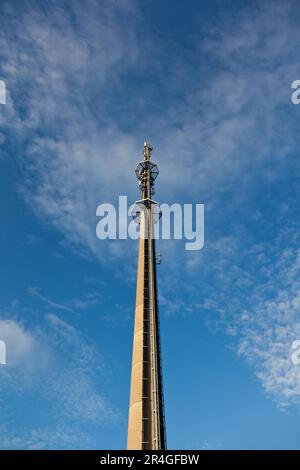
<point x="77" y="303"/>
<point x="58" y="71"/>
<point x="257" y="304"/>
<point x="268" y="332"/>
<point x="60" y="437"/>
<point x="75" y="384"/>
<point x="21" y="345"/>
<point x="230" y="124"/>
<point x="80" y="153"/>
<point x="67" y="387"/>
<point x="210" y="445"/>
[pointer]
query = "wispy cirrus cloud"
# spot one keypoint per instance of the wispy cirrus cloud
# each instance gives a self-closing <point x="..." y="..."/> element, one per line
<point x="75" y="385"/>
<point x="59" y="368"/>
<point x="61" y="437"/>
<point x="75" y="304"/>
<point x="267" y="331"/>
<point x="224" y="127"/>
<point x="257" y="305"/>
<point x="60" y="73"/>
<point x="220" y="113"/>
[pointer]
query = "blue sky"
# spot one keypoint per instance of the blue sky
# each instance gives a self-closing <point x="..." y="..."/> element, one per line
<point x="208" y="83"/>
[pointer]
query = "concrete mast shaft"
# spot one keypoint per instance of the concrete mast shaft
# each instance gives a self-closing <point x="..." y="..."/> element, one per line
<point x="146" y="427"/>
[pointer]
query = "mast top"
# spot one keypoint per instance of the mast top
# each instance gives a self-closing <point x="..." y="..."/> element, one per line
<point x="147" y="151"/>
<point x="146" y="172"/>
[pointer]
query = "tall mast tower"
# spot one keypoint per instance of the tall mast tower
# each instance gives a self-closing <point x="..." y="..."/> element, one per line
<point x="146" y="423"/>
